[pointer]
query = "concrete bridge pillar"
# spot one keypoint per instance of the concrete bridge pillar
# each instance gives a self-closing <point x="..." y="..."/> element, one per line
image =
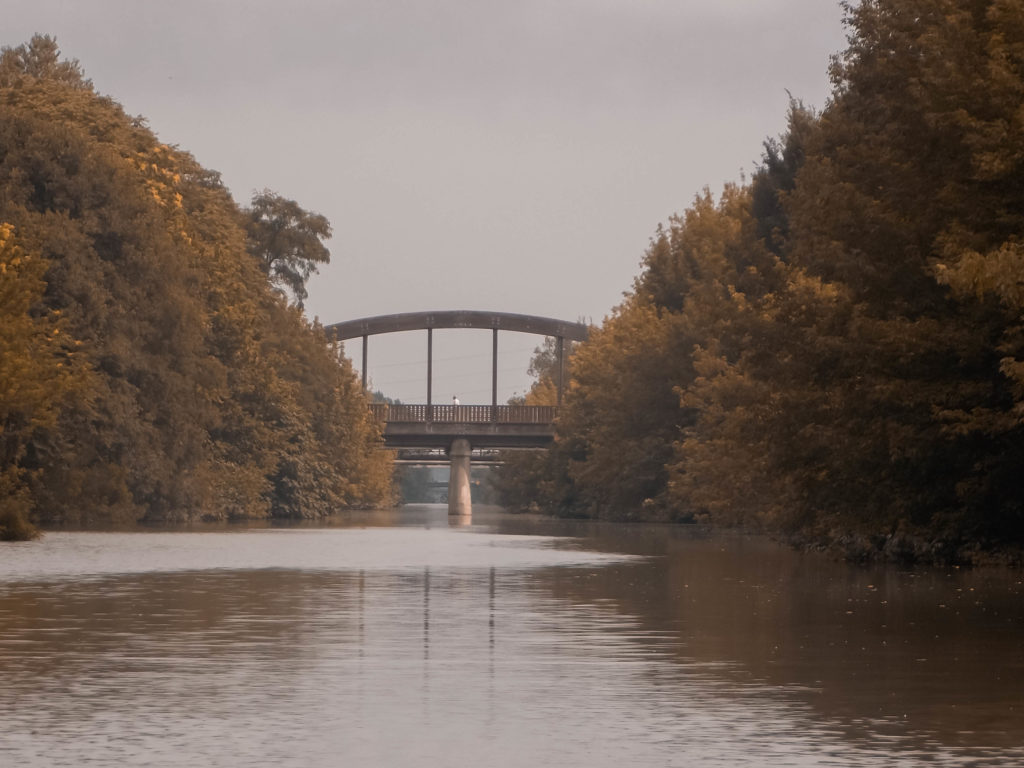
<point x="460" y="502"/>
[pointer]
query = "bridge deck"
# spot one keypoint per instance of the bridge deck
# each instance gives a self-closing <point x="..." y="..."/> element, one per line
<point x="485" y="426"/>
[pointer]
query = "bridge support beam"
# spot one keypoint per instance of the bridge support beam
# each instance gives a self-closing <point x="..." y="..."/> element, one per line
<point x="460" y="501"/>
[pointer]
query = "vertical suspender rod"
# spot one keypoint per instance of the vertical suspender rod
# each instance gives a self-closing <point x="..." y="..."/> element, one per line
<point x="561" y="367"/>
<point x="365" y="344"/>
<point x="430" y="373"/>
<point x="494" y="377"/>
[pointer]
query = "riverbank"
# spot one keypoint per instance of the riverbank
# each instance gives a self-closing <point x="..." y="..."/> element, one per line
<point x="900" y="547"/>
<point x="14" y="527"/>
<point x="903" y="548"/>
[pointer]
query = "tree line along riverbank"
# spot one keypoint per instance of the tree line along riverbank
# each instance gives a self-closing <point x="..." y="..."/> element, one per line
<point x="155" y="362"/>
<point x="832" y="350"/>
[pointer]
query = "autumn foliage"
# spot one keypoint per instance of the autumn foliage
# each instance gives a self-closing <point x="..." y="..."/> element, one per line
<point x="835" y="349"/>
<point x="149" y="370"/>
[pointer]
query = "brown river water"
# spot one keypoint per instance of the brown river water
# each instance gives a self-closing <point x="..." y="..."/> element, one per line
<point x="394" y="638"/>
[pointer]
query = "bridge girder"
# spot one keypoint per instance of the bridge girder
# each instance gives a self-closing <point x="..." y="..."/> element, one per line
<point x="435" y="435"/>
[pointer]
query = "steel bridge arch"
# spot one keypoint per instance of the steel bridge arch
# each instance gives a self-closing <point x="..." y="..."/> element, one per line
<point x="463" y="318"/>
<point x="498" y="321"/>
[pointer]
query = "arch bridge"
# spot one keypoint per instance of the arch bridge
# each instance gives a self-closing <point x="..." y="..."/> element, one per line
<point x="459" y="429"/>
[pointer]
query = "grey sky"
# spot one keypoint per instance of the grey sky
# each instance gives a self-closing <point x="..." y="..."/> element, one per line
<point x="513" y="156"/>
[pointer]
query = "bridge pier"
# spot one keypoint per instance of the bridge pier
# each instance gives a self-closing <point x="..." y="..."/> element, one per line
<point x="460" y="500"/>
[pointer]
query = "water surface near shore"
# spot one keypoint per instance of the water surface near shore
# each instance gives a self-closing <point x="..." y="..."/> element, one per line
<point x="395" y="638"/>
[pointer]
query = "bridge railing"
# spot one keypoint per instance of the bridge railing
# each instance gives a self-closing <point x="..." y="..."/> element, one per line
<point x="465" y="414"/>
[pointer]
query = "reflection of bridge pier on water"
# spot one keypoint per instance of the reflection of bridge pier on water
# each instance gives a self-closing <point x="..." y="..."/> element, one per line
<point x="427" y="626"/>
<point x="461" y="429"/>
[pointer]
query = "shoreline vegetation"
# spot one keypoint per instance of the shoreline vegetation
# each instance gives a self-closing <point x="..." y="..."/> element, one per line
<point x="155" y="362"/>
<point x="831" y="351"/>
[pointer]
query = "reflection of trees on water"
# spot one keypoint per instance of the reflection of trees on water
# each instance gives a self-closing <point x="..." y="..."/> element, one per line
<point x="706" y="625"/>
<point x="929" y="651"/>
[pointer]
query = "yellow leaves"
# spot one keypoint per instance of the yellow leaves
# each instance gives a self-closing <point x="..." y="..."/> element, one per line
<point x="160" y="173"/>
<point x="226" y="387"/>
<point x="543" y="392"/>
<point x="1013" y="369"/>
<point x="161" y="177"/>
<point x="14" y="263"/>
<point x="998" y="272"/>
<point x="34" y="373"/>
<point x="708" y="364"/>
<point x="738" y="298"/>
<point x="10" y="254"/>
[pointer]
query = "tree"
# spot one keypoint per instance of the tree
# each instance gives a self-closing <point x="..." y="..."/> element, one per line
<point x="40" y="59"/>
<point x="287" y="241"/>
<point x="39" y="369"/>
<point x="914" y="174"/>
<point x="866" y="402"/>
<point x="208" y="395"/>
<point x="844" y="337"/>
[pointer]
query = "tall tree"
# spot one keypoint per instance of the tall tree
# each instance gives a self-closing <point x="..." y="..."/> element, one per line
<point x="39" y="370"/>
<point x="40" y="59"/>
<point x="209" y="395"/>
<point x="848" y="331"/>
<point x="915" y="167"/>
<point x="287" y="241"/>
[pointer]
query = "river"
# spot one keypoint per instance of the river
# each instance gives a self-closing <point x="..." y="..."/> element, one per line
<point x="393" y="638"/>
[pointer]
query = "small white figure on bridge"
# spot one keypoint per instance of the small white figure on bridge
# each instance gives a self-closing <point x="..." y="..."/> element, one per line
<point x="455" y="399"/>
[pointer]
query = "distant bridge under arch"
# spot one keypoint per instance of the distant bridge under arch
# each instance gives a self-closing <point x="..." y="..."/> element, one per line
<point x="460" y="428"/>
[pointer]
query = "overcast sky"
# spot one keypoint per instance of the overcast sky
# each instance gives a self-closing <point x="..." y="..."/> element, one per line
<point x="470" y="154"/>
